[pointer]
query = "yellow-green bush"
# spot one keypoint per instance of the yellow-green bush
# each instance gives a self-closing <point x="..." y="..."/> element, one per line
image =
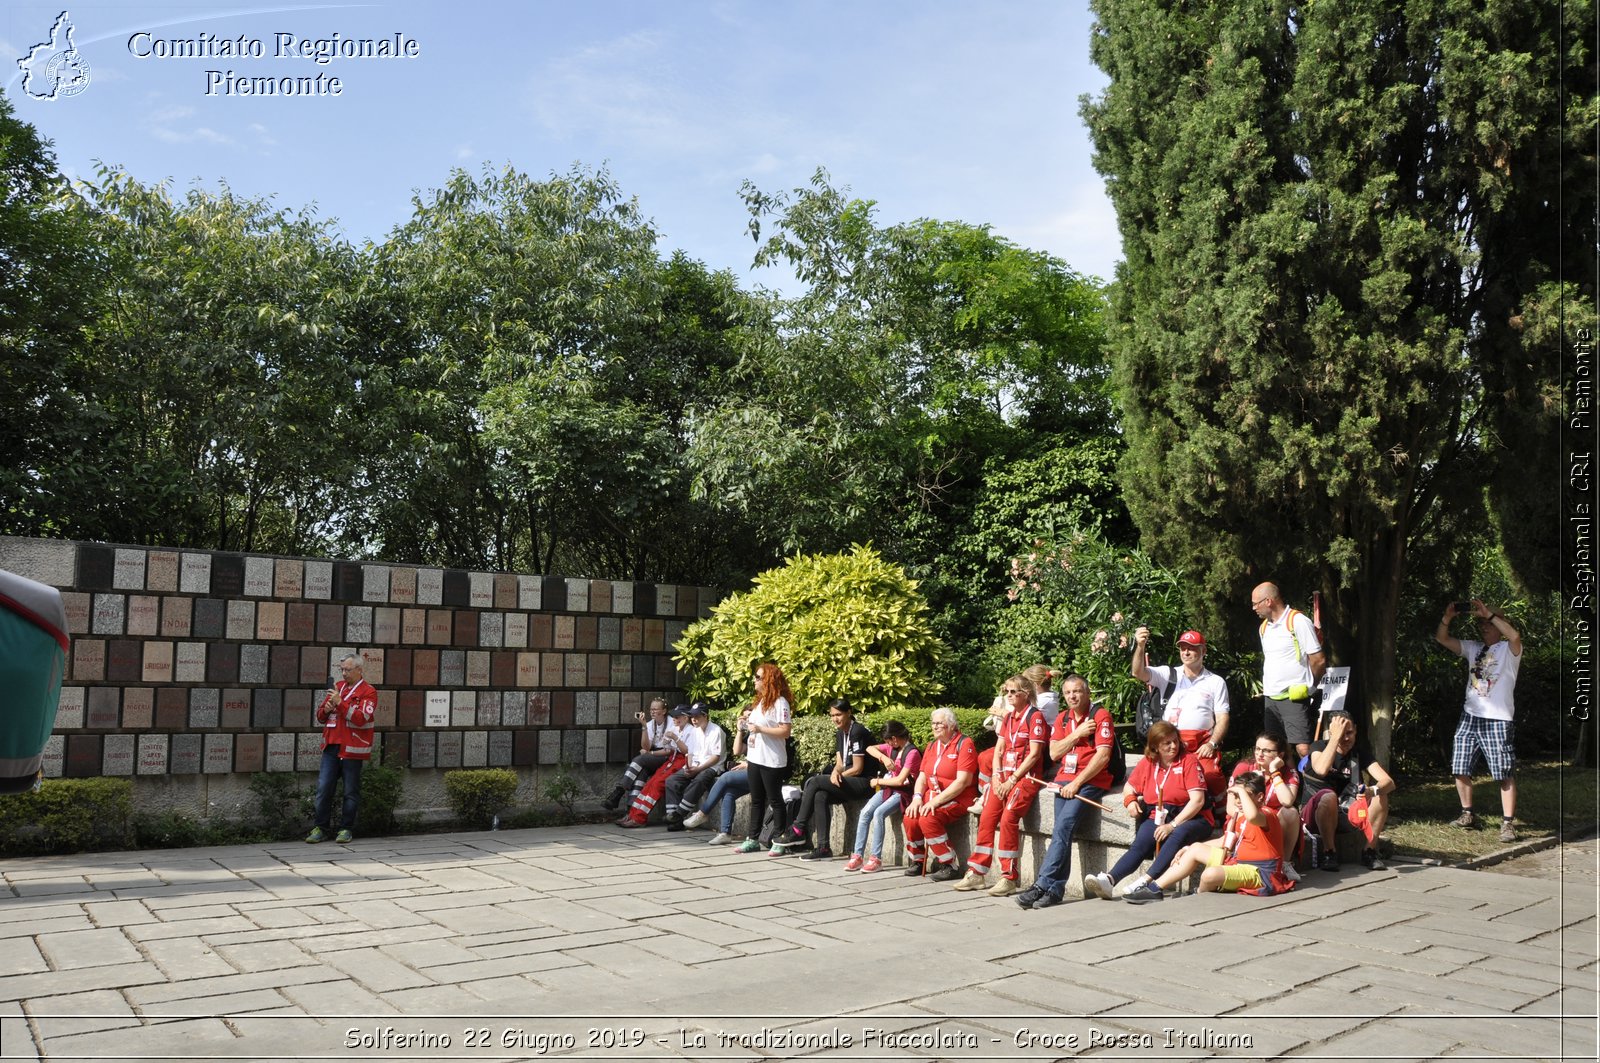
<point x="477" y="795"/>
<point x="68" y="816"/>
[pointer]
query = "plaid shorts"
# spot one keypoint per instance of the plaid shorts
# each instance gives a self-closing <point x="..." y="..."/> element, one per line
<point x="1492" y="737"/>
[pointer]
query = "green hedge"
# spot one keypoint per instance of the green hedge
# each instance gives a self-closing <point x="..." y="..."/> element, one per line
<point x="68" y="816"/>
<point x="814" y="735"/>
<point x="478" y="795"/>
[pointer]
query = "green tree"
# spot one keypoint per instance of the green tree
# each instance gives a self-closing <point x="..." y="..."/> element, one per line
<point x="1336" y="219"/>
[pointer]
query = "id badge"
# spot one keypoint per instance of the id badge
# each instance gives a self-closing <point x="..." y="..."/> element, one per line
<point x="1161" y="815"/>
<point x="1010" y="760"/>
<point x="1069" y="764"/>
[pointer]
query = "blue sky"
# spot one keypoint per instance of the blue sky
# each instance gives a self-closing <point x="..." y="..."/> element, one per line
<point x="952" y="110"/>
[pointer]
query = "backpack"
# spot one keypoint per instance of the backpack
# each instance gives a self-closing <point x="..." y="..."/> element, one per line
<point x="1152" y="705"/>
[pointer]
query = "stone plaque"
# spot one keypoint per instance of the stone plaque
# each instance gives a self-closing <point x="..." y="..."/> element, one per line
<point x="386" y="625"/>
<point x="218" y="755"/>
<point x="110" y="612"/>
<point x="161" y="571"/>
<point x="608" y="634"/>
<point x="655" y="636"/>
<point x="330" y="623"/>
<point x="553" y="593"/>
<point x="578" y="595"/>
<point x="457" y="589"/>
<point x="250" y="753"/>
<point x="439" y="627"/>
<point x="314" y="665"/>
<point x="449" y="755"/>
<point x="189" y="663"/>
<point x="280" y="752"/>
<point x="452" y="668"/>
<point x="586" y="634"/>
<point x="157" y="662"/>
<point x="424" y="750"/>
<point x="403" y="586"/>
<point x="516" y="630"/>
<point x="491" y="629"/>
<point x="632" y="634"/>
<point x="480" y="590"/>
<point x="124" y="661"/>
<point x="152" y="754"/>
<point x="675" y="630"/>
<point x="128" y="571"/>
<point x="79" y="610"/>
<point x="594" y="751"/>
<point x="235" y="709"/>
<point x="253" y="663"/>
<point x="268" y="709"/>
<point x="430" y="586"/>
<point x="538" y="708"/>
<point x="258" y="577"/>
<point x="466" y="628"/>
<point x="502" y="669"/>
<point x="666" y="599"/>
<point x="374" y="583"/>
<point x="372" y="665"/>
<point x="297" y="709"/>
<point x="175" y="617"/>
<point x="138" y="708"/>
<point x="622" y="597"/>
<point x="599" y="596"/>
<point x="144" y="615"/>
<point x="210" y="618"/>
<point x="574" y="746"/>
<point x="69" y="709"/>
<point x="300" y="622"/>
<point x="530" y="592"/>
<point x="348" y="582"/>
<point x="319" y="580"/>
<point x="499" y="749"/>
<point x="463" y="708"/>
<point x="644" y="599"/>
<point x="89" y="660"/>
<point x="54" y="756"/>
<point x="475" y="749"/>
<point x="586" y="709"/>
<point x="308" y="751"/>
<point x="288" y="577"/>
<point x="549" y="747"/>
<point x="186" y="750"/>
<point x="644" y="670"/>
<point x="610" y="707"/>
<point x="425" y="668"/>
<point x="172" y="708"/>
<point x="477" y="668"/>
<point x="227" y="575"/>
<point x="577" y="669"/>
<point x="97" y="567"/>
<point x="358" y="624"/>
<point x="118" y="757"/>
<point x="514" y="708"/>
<point x="436" y="712"/>
<point x="205" y="708"/>
<point x="283" y="666"/>
<point x="566" y="633"/>
<point x="413" y="626"/>
<point x="270" y="617"/>
<point x="540" y="631"/>
<point x="241" y="620"/>
<point x="551" y="669"/>
<point x="621" y="670"/>
<point x="84" y="757"/>
<point x="488" y="708"/>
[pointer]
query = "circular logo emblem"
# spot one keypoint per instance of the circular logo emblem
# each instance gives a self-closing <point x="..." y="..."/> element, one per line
<point x="67" y="73"/>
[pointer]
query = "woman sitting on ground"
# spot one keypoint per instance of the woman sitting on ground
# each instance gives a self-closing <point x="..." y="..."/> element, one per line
<point x="1248" y="860"/>
<point x="891" y="791"/>
<point x="1166" y="795"/>
<point x="848" y="781"/>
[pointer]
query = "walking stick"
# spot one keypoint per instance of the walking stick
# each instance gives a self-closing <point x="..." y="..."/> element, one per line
<point x="1056" y="789"/>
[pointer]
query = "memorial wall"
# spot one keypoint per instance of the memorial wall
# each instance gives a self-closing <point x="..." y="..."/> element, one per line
<point x="206" y="663"/>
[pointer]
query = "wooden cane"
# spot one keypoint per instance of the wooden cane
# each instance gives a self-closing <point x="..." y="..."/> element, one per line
<point x="1055" y="788"/>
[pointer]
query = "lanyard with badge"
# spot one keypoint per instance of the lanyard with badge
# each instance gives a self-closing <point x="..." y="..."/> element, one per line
<point x="1159" y="813"/>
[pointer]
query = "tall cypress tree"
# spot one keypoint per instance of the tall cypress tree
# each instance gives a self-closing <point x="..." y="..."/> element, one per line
<point x="1334" y="329"/>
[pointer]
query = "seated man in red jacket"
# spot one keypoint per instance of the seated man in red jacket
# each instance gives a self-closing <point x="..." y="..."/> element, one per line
<point x="346" y="717"/>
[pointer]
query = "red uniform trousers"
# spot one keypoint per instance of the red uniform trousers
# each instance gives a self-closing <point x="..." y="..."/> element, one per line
<point x="1005" y="819"/>
<point x="1211" y="769"/>
<point x="639" y="811"/>
<point x="985" y="767"/>
<point x="931" y="828"/>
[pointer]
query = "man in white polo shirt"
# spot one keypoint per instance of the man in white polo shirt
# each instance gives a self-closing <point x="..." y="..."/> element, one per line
<point x="1292" y="663"/>
<point x="1197" y="706"/>
<point x="1485" y="725"/>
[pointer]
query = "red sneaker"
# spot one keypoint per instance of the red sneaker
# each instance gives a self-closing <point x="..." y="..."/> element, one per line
<point x="854" y="863"/>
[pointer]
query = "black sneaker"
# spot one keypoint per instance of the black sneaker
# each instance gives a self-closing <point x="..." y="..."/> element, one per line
<point x="1028" y="896"/>
<point x="613" y="799"/>
<point x="1047" y="900"/>
<point x="1144" y="893"/>
<point x="820" y="853"/>
<point x="946" y="872"/>
<point x="914" y="869"/>
<point x="1372" y="861"/>
<point x="1329" y="861"/>
<point x="674" y="825"/>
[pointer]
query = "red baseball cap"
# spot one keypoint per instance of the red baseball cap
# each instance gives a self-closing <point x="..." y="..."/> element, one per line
<point x="1191" y="638"/>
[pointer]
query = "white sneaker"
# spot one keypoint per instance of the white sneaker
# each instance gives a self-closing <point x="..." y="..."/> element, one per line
<point x="720" y="839"/>
<point x="1098" y="886"/>
<point x="696" y="820"/>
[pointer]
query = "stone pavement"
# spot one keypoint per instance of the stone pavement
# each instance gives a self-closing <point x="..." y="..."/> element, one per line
<point x="595" y="943"/>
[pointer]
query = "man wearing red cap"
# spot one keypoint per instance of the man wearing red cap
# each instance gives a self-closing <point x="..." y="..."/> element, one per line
<point x="1197" y="706"/>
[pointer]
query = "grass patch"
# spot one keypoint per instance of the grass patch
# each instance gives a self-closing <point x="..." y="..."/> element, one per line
<point x="1552" y="798"/>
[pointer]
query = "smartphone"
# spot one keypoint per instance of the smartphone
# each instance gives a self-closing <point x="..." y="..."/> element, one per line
<point x="1463" y="607"/>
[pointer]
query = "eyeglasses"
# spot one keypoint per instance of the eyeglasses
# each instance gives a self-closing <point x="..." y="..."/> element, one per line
<point x="1258" y="602"/>
<point x="1269" y="751"/>
<point x="1011" y="690"/>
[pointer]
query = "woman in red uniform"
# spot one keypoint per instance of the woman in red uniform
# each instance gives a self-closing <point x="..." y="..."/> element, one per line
<point x="944" y="791"/>
<point x="1166" y="793"/>
<point x="1017" y="774"/>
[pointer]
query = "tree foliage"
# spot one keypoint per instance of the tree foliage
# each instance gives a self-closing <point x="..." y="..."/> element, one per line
<point x="1334" y="218"/>
<point x="839" y="625"/>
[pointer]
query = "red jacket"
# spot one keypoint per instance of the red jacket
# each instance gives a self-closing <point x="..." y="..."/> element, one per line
<point x="346" y="718"/>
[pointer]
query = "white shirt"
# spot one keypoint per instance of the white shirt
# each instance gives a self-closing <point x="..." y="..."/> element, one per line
<point x="1491" y="679"/>
<point x="764" y="749"/>
<point x="1283" y="667"/>
<point x="705" y="745"/>
<point x="1196" y="702"/>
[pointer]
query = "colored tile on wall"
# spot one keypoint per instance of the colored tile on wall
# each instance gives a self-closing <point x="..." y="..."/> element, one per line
<point x="144" y="615"/>
<point x="127" y="572"/>
<point x="172" y="708"/>
<point x="176" y="614"/>
<point x="161" y="571"/>
<point x="138" y="708"/>
<point x="222" y="663"/>
<point x="288" y="577"/>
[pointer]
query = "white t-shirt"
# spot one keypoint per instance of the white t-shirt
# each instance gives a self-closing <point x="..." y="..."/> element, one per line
<point x="1049" y="703"/>
<point x="1491" y="678"/>
<point x="705" y="746"/>
<point x="764" y="749"/>
<point x="1195" y="703"/>
<point x="1282" y="667"/>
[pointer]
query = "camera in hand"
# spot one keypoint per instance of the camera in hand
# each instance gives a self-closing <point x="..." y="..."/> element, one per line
<point x="1463" y="607"/>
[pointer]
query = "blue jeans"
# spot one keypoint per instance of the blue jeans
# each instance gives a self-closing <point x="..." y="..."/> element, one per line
<point x="873" y="823"/>
<point x="332" y="769"/>
<point x="1057" y="866"/>
<point x="727" y="790"/>
<point x="1144" y="845"/>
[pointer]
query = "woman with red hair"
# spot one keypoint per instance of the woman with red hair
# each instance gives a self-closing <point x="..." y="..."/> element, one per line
<point x="766" y="723"/>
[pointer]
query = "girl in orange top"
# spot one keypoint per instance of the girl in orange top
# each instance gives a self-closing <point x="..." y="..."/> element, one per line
<point x="1248" y="860"/>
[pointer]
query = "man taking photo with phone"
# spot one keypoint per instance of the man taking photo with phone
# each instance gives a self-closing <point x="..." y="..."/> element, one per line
<point x="1486" y="716"/>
